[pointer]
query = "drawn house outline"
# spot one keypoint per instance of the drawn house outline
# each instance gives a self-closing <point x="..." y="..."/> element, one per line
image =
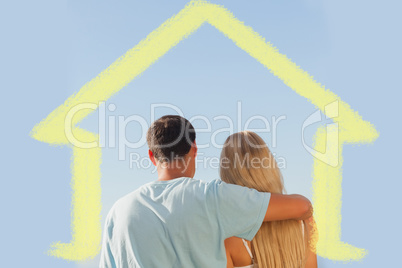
<point x="86" y="226"/>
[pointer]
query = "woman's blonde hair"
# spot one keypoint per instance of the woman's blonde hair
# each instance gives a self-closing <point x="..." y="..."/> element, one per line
<point x="246" y="160"/>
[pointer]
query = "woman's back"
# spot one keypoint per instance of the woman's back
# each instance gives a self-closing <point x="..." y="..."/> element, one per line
<point x="239" y="254"/>
<point x="246" y="160"/>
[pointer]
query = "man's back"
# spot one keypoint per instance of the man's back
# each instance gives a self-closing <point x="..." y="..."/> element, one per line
<point x="180" y="223"/>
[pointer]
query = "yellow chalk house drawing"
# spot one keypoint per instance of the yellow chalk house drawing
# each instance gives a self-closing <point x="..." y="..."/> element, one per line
<point x="86" y="160"/>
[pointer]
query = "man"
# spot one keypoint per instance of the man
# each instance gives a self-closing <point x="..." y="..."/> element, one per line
<point x="177" y="221"/>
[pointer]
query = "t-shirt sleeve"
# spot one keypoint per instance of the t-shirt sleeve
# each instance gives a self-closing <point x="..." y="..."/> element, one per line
<point x="240" y="210"/>
<point x="106" y="258"/>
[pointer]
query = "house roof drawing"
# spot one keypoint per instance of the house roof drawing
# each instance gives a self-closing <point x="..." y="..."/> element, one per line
<point x="86" y="228"/>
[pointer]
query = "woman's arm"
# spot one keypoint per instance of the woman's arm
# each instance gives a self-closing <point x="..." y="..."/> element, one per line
<point x="312" y="236"/>
<point x="228" y="257"/>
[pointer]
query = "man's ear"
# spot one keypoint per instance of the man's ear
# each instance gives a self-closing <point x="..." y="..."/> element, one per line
<point x="195" y="149"/>
<point x="152" y="157"/>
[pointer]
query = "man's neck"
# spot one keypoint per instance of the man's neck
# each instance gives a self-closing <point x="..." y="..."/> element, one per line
<point x="166" y="174"/>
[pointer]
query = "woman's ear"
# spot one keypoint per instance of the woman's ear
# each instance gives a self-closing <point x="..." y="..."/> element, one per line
<point x="152" y="157"/>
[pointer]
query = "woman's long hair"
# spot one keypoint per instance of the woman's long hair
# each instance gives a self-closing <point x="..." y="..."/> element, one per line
<point x="246" y="160"/>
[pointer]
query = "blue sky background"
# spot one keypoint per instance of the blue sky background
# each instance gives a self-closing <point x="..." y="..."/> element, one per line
<point x="50" y="49"/>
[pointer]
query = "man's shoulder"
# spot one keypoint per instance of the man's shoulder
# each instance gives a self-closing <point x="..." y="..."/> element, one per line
<point x="208" y="183"/>
<point x="127" y="198"/>
<point x="149" y="190"/>
<point x="203" y="186"/>
<point x="132" y="195"/>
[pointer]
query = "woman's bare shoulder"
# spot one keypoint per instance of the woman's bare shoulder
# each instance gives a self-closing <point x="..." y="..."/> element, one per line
<point x="238" y="252"/>
<point x="233" y="243"/>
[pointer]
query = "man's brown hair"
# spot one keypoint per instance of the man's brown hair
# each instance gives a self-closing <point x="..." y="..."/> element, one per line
<point x="170" y="137"/>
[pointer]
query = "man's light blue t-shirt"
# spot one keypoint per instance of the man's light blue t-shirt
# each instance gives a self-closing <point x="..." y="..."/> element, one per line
<point x="181" y="223"/>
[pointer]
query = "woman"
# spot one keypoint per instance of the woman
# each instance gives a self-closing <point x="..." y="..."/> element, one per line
<point x="247" y="161"/>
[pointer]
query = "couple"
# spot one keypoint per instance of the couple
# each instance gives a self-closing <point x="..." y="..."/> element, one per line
<point x="243" y="220"/>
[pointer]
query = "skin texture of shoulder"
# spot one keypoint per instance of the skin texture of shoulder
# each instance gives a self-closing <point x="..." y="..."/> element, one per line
<point x="236" y="252"/>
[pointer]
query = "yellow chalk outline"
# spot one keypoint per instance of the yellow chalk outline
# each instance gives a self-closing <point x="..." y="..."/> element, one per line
<point x="86" y="201"/>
